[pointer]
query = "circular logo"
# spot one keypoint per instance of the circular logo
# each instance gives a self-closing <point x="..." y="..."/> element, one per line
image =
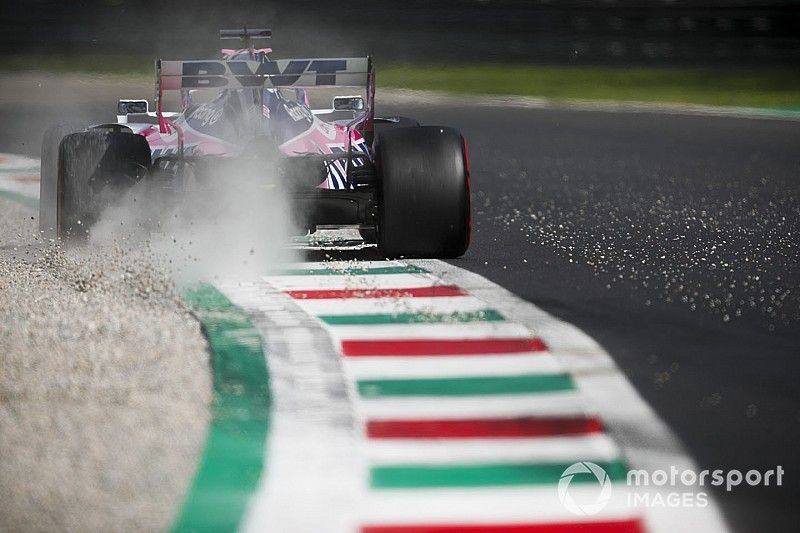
<point x="581" y="507"/>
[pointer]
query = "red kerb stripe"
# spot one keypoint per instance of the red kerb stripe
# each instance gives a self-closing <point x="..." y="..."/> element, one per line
<point x="483" y="428"/>
<point x="421" y="347"/>
<point x="413" y="292"/>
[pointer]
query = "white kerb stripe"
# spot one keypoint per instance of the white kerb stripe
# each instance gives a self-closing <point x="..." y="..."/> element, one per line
<point x="398" y="367"/>
<point x="594" y="447"/>
<point x="369" y="306"/>
<point x="442" y="331"/>
<point x="489" y="505"/>
<point x="561" y="403"/>
<point x="336" y="282"/>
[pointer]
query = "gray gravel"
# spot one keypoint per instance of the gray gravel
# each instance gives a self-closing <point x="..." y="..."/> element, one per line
<point x="104" y="387"/>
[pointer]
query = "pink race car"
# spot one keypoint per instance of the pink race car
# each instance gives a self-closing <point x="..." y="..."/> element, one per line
<point x="405" y="186"/>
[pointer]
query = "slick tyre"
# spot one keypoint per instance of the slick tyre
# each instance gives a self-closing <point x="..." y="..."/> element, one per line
<point x="95" y="169"/>
<point x="424" y="199"/>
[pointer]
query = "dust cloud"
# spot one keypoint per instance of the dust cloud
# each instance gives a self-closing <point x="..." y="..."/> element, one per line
<point x="229" y="224"/>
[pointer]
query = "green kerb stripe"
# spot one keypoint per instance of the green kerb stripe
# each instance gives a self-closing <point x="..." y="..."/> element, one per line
<point x="485" y="315"/>
<point x="353" y="271"/>
<point x="234" y="451"/>
<point x="375" y="388"/>
<point x="27" y="201"/>
<point x="482" y="475"/>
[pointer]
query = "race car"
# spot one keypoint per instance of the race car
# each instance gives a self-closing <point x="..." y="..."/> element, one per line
<point x="403" y="185"/>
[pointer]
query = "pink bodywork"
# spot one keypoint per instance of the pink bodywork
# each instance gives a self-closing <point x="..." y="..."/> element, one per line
<point x="321" y="138"/>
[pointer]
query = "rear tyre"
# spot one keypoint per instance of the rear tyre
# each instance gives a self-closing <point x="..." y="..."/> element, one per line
<point x="48" y="184"/>
<point x="95" y="169"/>
<point x="424" y="200"/>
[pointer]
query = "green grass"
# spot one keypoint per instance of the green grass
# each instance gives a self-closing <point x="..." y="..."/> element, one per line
<point x="749" y="88"/>
<point x="772" y="88"/>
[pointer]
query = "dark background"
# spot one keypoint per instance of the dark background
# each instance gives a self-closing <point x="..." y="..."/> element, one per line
<point x="642" y="32"/>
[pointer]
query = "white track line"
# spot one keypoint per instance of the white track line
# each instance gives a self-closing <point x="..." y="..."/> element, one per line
<point x="400" y="96"/>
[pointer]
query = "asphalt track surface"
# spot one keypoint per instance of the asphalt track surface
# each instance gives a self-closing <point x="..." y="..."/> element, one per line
<point x="672" y="240"/>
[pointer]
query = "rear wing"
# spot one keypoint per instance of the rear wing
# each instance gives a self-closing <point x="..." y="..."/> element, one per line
<point x="248" y="74"/>
<point x="282" y="73"/>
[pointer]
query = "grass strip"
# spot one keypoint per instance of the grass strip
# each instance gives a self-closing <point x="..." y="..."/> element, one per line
<point x="770" y="88"/>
